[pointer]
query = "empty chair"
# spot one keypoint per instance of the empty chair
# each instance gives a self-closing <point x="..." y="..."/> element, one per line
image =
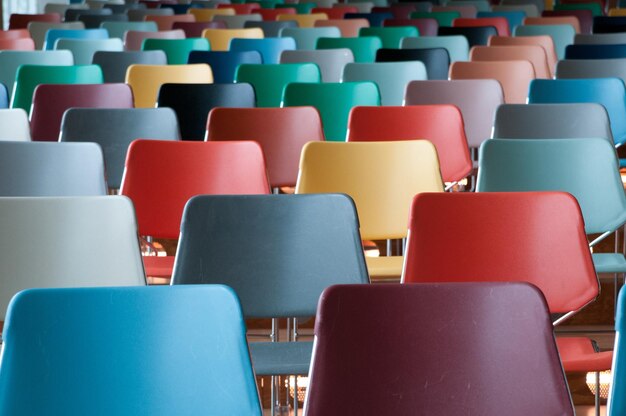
<point x="338" y="11"/>
<point x="475" y="35"/>
<point x="514" y="76"/>
<point x="192" y="103"/>
<point x="200" y="320"/>
<point x="139" y="15"/>
<point x="271" y="29"/>
<point x="595" y="51"/>
<point x="545" y="42"/>
<point x="363" y="48"/>
<point x="306" y="38"/>
<point x="374" y="19"/>
<point x="14" y="34"/>
<point x="468" y="11"/>
<point x="535" y="54"/>
<point x="553" y="21"/>
<point x="166" y="22"/>
<point x="21" y="21"/>
<point x="238" y="21"/>
<point x="562" y="35"/>
<point x="195" y="29"/>
<point x="10" y="61"/>
<point x="146" y="80"/>
<point x="390" y="36"/>
<point x="480" y="5"/>
<point x="608" y="24"/>
<point x="436" y="60"/>
<point x="500" y="23"/>
<point x="591" y="68"/>
<point x="55" y="34"/>
<point x="72" y="15"/>
<point x="584" y="17"/>
<point x="38" y="30"/>
<point x="531" y="10"/>
<point x="84" y="49"/>
<point x="269" y="80"/>
<point x="94" y="21"/>
<point x="281" y="132"/>
<point x="444" y="18"/>
<point x="303" y="20"/>
<point x="349" y="28"/>
<point x="15" y="125"/>
<point x="206" y="15"/>
<point x="269" y="48"/>
<point x="600" y="39"/>
<point x="347" y="378"/>
<point x="114" y="129"/>
<point x="425" y="27"/>
<point x="457" y="46"/>
<point x="60" y="8"/>
<point x="176" y="50"/>
<point x="220" y="38"/>
<point x="270" y="15"/>
<point x="133" y="40"/>
<point x="240" y="8"/>
<point x="4" y="97"/>
<point x="513" y="17"/>
<point x="538" y="5"/>
<point x="331" y="62"/>
<point x="224" y="64"/>
<point x="119" y="29"/>
<point x="18" y="44"/>
<point x="115" y="64"/>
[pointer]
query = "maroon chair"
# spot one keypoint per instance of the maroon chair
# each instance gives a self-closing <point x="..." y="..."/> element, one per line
<point x="426" y="27"/>
<point x="435" y="349"/>
<point x="51" y="100"/>
<point x="585" y="17"/>
<point x="21" y="21"/>
<point x="194" y="29"/>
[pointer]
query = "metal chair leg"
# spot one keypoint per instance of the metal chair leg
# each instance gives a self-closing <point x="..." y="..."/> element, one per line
<point x="597" y="393"/>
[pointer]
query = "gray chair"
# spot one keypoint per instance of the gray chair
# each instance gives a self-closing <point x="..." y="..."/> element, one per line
<point x="237" y="21"/>
<point x="600" y="39"/>
<point x="538" y="3"/>
<point x="271" y="29"/>
<point x="457" y="46"/>
<point x="117" y="29"/>
<point x="38" y="30"/>
<point x="51" y="169"/>
<point x="591" y="68"/>
<point x="73" y="15"/>
<point x="115" y="129"/>
<point x="531" y="10"/>
<point x="84" y="49"/>
<point x="94" y="21"/>
<point x="306" y="37"/>
<point x="331" y="62"/>
<point x="139" y="15"/>
<point x="115" y="64"/>
<point x="11" y="60"/>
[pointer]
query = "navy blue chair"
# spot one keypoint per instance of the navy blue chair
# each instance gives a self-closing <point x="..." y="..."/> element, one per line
<point x="609" y="24"/>
<point x="224" y="64"/>
<point x="375" y="19"/>
<point x="595" y="51"/>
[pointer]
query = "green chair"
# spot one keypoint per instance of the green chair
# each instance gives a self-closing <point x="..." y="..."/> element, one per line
<point x="269" y="80"/>
<point x="306" y="37"/>
<point x="390" y="36"/>
<point x="363" y="48"/>
<point x="84" y="49"/>
<point x="443" y="18"/>
<point x="334" y="102"/>
<point x="30" y="76"/>
<point x="177" y="50"/>
<point x="11" y="60"/>
<point x="456" y="45"/>
<point x="594" y="8"/>
<point x="562" y="35"/>
<point x="118" y="29"/>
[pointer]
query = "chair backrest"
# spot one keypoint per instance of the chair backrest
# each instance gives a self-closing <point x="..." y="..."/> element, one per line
<point x="166" y="22"/>
<point x="21" y="21"/>
<point x="616" y="404"/>
<point x="238" y="21"/>
<point x="475" y="35"/>
<point x="477" y="113"/>
<point x="553" y="21"/>
<point x="288" y="228"/>
<point x="584" y="17"/>
<point x="10" y="61"/>
<point x="84" y="49"/>
<point x="115" y="64"/>
<point x="436" y="60"/>
<point x="443" y="18"/>
<point x="119" y="29"/>
<point x="608" y="24"/>
<point x="390" y="36"/>
<point x="94" y="21"/>
<point x="220" y="38"/>
<point x="176" y="50"/>
<point x="330" y="62"/>
<point x="38" y="30"/>
<point x="306" y="38"/>
<point x="133" y="40"/>
<point x="195" y="29"/>
<point x="586" y="168"/>
<point x="15" y="125"/>
<point x="544" y="41"/>
<point x="513" y="17"/>
<point x="115" y="129"/>
<point x="207" y="15"/>
<point x="530" y="10"/>
<point x="336" y="13"/>
<point x="541" y="233"/>
<point x="349" y="28"/>
<point x="500" y="23"/>
<point x="600" y="39"/>
<point x="595" y="52"/>
<point x="538" y="4"/>
<point x="591" y="68"/>
<point x="381" y="178"/>
<point x="18" y="44"/>
<point x="14" y="34"/>
<point x="161" y="176"/>
<point x="457" y="46"/>
<point x="281" y="132"/>
<point x="425" y="27"/>
<point x="139" y="15"/>
<point x="363" y="48"/>
<point x="271" y="29"/>
<point x="224" y="63"/>
<point x="200" y="323"/>
<point x="72" y="15"/>
<point x="304" y="20"/>
<point x="51" y="169"/>
<point x="514" y="76"/>
<point x="562" y="35"/>
<point x="269" y="48"/>
<point x="28" y="77"/>
<point x="535" y="54"/>
<point x="53" y="35"/>
<point x="449" y="347"/>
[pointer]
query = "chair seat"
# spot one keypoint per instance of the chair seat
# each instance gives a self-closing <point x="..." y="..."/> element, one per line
<point x="272" y="358"/>
<point x="609" y="262"/>
<point x="158" y="266"/>
<point x="578" y="354"/>
<point x="385" y="268"/>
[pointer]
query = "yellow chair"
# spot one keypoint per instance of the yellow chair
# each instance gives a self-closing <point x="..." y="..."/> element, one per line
<point x="303" y="20"/>
<point x="220" y="38"/>
<point x="146" y="80"/>
<point x="382" y="178"/>
<point x="207" y="15"/>
<point x="617" y="12"/>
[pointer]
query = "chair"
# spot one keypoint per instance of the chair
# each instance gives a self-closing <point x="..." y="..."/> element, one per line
<point x="119" y="29"/>
<point x="475" y="35"/>
<point x="72" y="15"/>
<point x="306" y="38"/>
<point x="531" y="10"/>
<point x="562" y="35"/>
<point x="60" y="8"/>
<point x="84" y="49"/>
<point x="38" y="30"/>
<point x="374" y="19"/>
<point x="195" y="29"/>
<point x="270" y="15"/>
<point x="269" y="48"/>
<point x="513" y="17"/>
<point x="500" y="23"/>
<point x="554" y="21"/>
<point x="345" y="378"/>
<point x="330" y="62"/>
<point x="238" y="21"/>
<point x="442" y="125"/>
<point x="55" y="34"/>
<point x="176" y="50"/>
<point x="535" y="54"/>
<point x="199" y="322"/>
<point x="425" y="27"/>
<point x="94" y="21"/>
<point x="514" y="76"/>
<point x="10" y="61"/>
<point x="595" y="52"/>
<point x="303" y="20"/>
<point x="467" y="11"/>
<point x="192" y="103"/>
<point x="244" y="8"/>
<point x="14" y="34"/>
<point x="436" y="60"/>
<point x="166" y="22"/>
<point x="590" y="9"/>
<point x="336" y="13"/>
<point x="15" y="125"/>
<point x="18" y="44"/>
<point x="281" y="132"/>
<point x="538" y="5"/>
<point x="271" y="29"/>
<point x="600" y="39"/>
<point x="146" y="80"/>
<point x="207" y="15"/>
<point x="220" y="38"/>
<point x="443" y="18"/>
<point x="390" y="77"/>
<point x="545" y="42"/>
<point x="114" y="130"/>
<point x="349" y="28"/>
<point x="616" y="403"/>
<point x="224" y="64"/>
<point x="28" y="77"/>
<point x="584" y="17"/>
<point x="21" y="21"/>
<point x="591" y="68"/>
<point x="608" y="24"/>
<point x="161" y="176"/>
<point x="381" y="178"/>
<point x="139" y="15"/>
<point x="456" y="46"/>
<point x="391" y="37"/>
<point x="363" y="48"/>
<point x="269" y="80"/>
<point x="51" y="169"/>
<point x="480" y="5"/>
<point x="133" y="40"/>
<point x="115" y="64"/>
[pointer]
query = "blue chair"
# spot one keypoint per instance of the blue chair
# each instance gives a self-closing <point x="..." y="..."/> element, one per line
<point x="375" y="19"/>
<point x="515" y="18"/>
<point x="595" y="51"/>
<point x="269" y="48"/>
<point x="188" y="355"/>
<point x="53" y="34"/>
<point x="616" y="405"/>
<point x="4" y="96"/>
<point x="224" y="64"/>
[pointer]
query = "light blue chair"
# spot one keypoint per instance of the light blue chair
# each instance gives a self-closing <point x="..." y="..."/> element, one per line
<point x="84" y="49"/>
<point x="118" y="29"/>
<point x="616" y="405"/>
<point x="269" y="48"/>
<point x="515" y="18"/>
<point x="10" y="61"/>
<point x="562" y="35"/>
<point x="306" y="37"/>
<point x="53" y="34"/>
<point x="140" y="351"/>
<point x="457" y="46"/>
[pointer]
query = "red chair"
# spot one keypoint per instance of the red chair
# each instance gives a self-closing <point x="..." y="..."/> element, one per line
<point x="247" y="8"/>
<point x="14" y="34"/>
<point x="500" y="23"/>
<point x="21" y="21"/>
<point x="51" y="100"/>
<point x="195" y="29"/>
<point x="440" y="124"/>
<point x="161" y="176"/>
<point x="335" y="12"/>
<point x="271" y="15"/>
<point x="281" y="132"/>
<point x="17" y="44"/>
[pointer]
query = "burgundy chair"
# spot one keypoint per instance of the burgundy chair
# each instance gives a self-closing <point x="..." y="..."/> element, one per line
<point x="435" y="349"/>
<point x="426" y="27"/>
<point x="51" y="100"/>
<point x="21" y="21"/>
<point x="585" y="17"/>
<point x="194" y="29"/>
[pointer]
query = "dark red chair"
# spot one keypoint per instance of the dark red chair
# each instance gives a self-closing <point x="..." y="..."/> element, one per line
<point x="195" y="29"/>
<point x="399" y="11"/>
<point x="426" y="27"/>
<point x="271" y="15"/>
<point x="51" y="100"/>
<point x="21" y="21"/>
<point x="500" y="23"/>
<point x="440" y="124"/>
<point x="435" y="349"/>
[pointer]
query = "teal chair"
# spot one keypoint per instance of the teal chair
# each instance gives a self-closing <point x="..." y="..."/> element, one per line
<point x="114" y="351"/>
<point x="269" y="48"/>
<point x="306" y="37"/>
<point x="481" y="5"/>
<point x="333" y="101"/>
<point x="442" y="18"/>
<point x="616" y="405"/>
<point x="84" y="49"/>
<point x="11" y="60"/>
<point x="457" y="46"/>
<point x="269" y="80"/>
<point x="30" y="76"/>
<point x="391" y="77"/>
<point x="118" y="29"/>
<point x="594" y="8"/>
<point x="363" y="48"/>
<point x="54" y="34"/>
<point x="562" y="35"/>
<point x="390" y="36"/>
<point x="176" y="50"/>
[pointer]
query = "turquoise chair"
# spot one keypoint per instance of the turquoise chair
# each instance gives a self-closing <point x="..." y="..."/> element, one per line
<point x="269" y="80"/>
<point x="481" y="5"/>
<point x="118" y="29"/>
<point x="53" y="34"/>
<point x="391" y="37"/>
<point x="616" y="404"/>
<point x="363" y="48"/>
<point x="115" y="351"/>
<point x="306" y="37"/>
<point x="442" y="18"/>
<point x="391" y="77"/>
<point x="515" y="18"/>
<point x="457" y="46"/>
<point x="333" y="101"/>
<point x="84" y="49"/>
<point x="562" y="35"/>
<point x="11" y="60"/>
<point x="269" y="48"/>
<point x="176" y="50"/>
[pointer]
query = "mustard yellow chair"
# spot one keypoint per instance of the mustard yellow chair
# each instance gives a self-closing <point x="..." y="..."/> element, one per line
<point x="617" y="12"/>
<point x="303" y="20"/>
<point x="146" y="80"/>
<point x="382" y="178"/>
<point x="207" y="15"/>
<point x="220" y="38"/>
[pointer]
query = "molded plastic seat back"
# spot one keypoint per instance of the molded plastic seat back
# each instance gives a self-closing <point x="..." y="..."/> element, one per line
<point x="94" y="21"/>
<point x="220" y="38"/>
<point x="15" y="125"/>
<point x="595" y="51"/>
<point x="38" y="30"/>
<point x="591" y="68"/>
<point x="436" y="60"/>
<point x="349" y="28"/>
<point x="331" y="62"/>
<point x="133" y="40"/>
<point x="195" y="29"/>
<point x="21" y="21"/>
<point x="544" y="41"/>
<point x="269" y="48"/>
<point x="425" y="27"/>
<point x="177" y="50"/>
<point x="457" y="46"/>
<point x="500" y="23"/>
<point x="306" y="38"/>
<point x="224" y="63"/>
<point x="562" y="35"/>
<point x="271" y="29"/>
<point x="535" y="54"/>
<point x="166" y="22"/>
<point x="119" y="29"/>
<point x="390" y="36"/>
<point x="84" y="49"/>
<point x="363" y="48"/>
<point x="10" y="61"/>
<point x="616" y="403"/>
<point x="600" y="39"/>
<point x="475" y="35"/>
<point x="55" y="34"/>
<point x="115" y="64"/>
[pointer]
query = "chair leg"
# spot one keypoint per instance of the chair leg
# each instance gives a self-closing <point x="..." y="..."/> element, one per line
<point x="597" y="393"/>
<point x="295" y="396"/>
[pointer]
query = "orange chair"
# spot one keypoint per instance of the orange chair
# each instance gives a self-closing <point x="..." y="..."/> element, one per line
<point x="281" y="132"/>
<point x="440" y="124"/>
<point x="17" y="44"/>
<point x="161" y="176"/>
<point x="500" y="23"/>
<point x="545" y="42"/>
<point x="166" y="22"/>
<point x="14" y="34"/>
<point x="514" y="76"/>
<point x="560" y="20"/>
<point x="533" y="53"/>
<point x="349" y="28"/>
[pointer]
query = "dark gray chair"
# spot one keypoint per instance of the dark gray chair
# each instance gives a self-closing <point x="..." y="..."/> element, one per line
<point x="139" y="15"/>
<point x="271" y="29"/>
<point x="591" y="68"/>
<point x="73" y="15"/>
<point x="600" y="39"/>
<point x="51" y="169"/>
<point x="93" y="21"/>
<point x="115" y="64"/>
<point x="115" y="129"/>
